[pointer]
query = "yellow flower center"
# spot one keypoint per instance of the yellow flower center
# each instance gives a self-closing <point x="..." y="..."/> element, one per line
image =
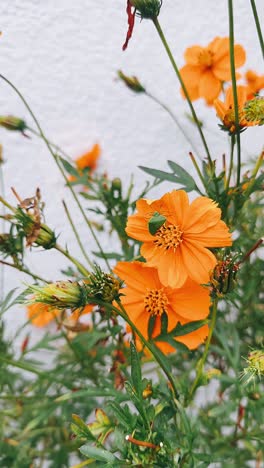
<point x="156" y="301"/>
<point x="206" y="58"/>
<point x="169" y="236"/>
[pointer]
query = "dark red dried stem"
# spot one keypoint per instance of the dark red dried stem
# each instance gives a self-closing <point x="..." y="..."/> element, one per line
<point x="131" y="21"/>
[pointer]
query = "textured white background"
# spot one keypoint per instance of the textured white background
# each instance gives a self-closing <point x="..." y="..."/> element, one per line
<point x="63" y="56"/>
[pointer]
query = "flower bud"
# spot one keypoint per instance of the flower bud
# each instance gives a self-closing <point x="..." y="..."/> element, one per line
<point x="61" y="295"/>
<point x="13" y="123"/>
<point x="148" y="9"/>
<point x="131" y="82"/>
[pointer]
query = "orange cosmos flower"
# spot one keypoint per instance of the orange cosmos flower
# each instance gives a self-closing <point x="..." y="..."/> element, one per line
<point x="41" y="314"/>
<point x="87" y="160"/>
<point x="207" y="67"/>
<point x="177" y="248"/>
<point x="226" y="111"/>
<point x="145" y="296"/>
<point x="255" y="83"/>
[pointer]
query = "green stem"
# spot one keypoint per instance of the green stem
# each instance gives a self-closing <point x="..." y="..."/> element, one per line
<point x="200" y="175"/>
<point x="195" y="118"/>
<point x="78" y="265"/>
<point x="24" y="270"/>
<point x="2" y="188"/>
<point x="55" y="157"/>
<point x="174" y="118"/>
<point x="206" y="349"/>
<point x="77" y="235"/>
<point x="256" y="18"/>
<point x="231" y="164"/>
<point x="122" y="312"/>
<point x="234" y="85"/>
<point x="56" y="147"/>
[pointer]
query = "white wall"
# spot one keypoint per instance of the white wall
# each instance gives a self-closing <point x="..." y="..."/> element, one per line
<point x="64" y="55"/>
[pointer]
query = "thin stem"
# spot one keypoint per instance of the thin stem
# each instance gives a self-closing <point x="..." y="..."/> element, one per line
<point x="195" y="118"/>
<point x="24" y="270"/>
<point x="76" y="234"/>
<point x="122" y="312"/>
<point x="234" y="85"/>
<point x="256" y="18"/>
<point x="198" y="170"/>
<point x="78" y="265"/>
<point x="206" y="349"/>
<point x="2" y="189"/>
<point x="55" y="157"/>
<point x="56" y="147"/>
<point x="174" y="118"/>
<point x="231" y="163"/>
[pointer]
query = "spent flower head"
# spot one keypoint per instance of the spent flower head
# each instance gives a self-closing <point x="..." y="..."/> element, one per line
<point x="103" y="286"/>
<point x="147" y="9"/>
<point x="13" y="123"/>
<point x="223" y="277"/>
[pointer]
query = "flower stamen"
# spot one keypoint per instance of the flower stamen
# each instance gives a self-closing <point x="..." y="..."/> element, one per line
<point x="156" y="301"/>
<point x="169" y="236"/>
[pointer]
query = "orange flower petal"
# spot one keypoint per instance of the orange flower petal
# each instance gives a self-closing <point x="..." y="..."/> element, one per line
<point x="220" y="48"/>
<point x="195" y="338"/>
<point x="41" y="314"/>
<point x="209" y="86"/>
<point x="202" y="214"/>
<point x="90" y="158"/>
<point x="183" y="300"/>
<point x="176" y="204"/>
<point x="191" y="55"/>
<point x="198" y="261"/>
<point x="191" y="76"/>
<point x="216" y="236"/>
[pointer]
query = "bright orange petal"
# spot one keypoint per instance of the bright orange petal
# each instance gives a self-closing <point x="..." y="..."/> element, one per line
<point x="40" y="314"/>
<point x="89" y="159"/>
<point x="191" y="76"/>
<point x="191" y="55"/>
<point x="209" y="86"/>
<point x="216" y="236"/>
<point x="195" y="338"/>
<point x="191" y="301"/>
<point x="198" y="261"/>
<point x="176" y="204"/>
<point x="220" y="108"/>
<point x="220" y="48"/>
<point x="132" y="272"/>
<point x="202" y="214"/>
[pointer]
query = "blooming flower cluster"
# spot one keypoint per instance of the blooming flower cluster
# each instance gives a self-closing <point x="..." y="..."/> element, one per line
<point x="175" y="236"/>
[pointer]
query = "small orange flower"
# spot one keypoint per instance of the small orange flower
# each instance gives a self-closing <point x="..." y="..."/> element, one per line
<point x="41" y="314"/>
<point x="177" y="248"/>
<point x="145" y="296"/>
<point x="207" y="67"/>
<point x="255" y="83"/>
<point x="87" y="160"/>
<point x="226" y="112"/>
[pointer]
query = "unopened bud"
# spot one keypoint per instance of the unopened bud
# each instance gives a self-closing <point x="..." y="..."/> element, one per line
<point x="13" y="123"/>
<point x="61" y="295"/>
<point x="131" y="82"/>
<point x="35" y="232"/>
<point x="148" y="9"/>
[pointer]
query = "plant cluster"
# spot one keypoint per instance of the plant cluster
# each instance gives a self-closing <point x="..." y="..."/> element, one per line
<point x="172" y="310"/>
